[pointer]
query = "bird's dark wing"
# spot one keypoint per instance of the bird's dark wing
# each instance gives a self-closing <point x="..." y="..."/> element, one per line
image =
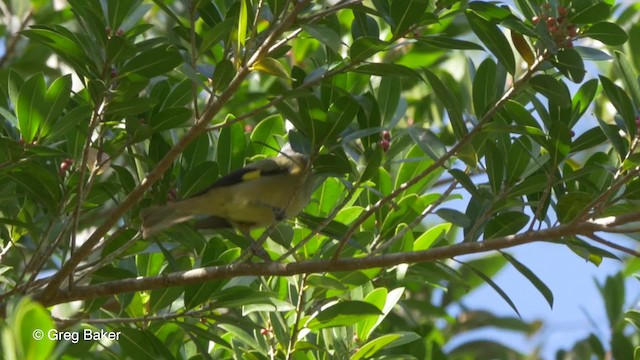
<point x="250" y="172"/>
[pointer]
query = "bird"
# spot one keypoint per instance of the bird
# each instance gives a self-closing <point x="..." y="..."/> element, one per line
<point x="257" y="195"/>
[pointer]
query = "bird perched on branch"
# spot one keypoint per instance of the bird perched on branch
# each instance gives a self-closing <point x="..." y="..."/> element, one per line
<point x="258" y="195"/>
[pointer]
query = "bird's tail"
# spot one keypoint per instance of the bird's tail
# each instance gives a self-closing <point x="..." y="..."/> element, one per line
<point x="158" y="218"/>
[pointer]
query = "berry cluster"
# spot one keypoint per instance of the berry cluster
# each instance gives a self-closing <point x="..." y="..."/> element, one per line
<point x="385" y="140"/>
<point x="557" y="23"/>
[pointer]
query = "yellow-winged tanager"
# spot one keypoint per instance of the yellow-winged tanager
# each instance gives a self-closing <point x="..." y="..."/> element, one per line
<point x="258" y="195"/>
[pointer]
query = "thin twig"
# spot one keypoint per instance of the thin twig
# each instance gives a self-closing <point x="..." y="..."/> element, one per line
<point x="613" y="245"/>
<point x="299" y="311"/>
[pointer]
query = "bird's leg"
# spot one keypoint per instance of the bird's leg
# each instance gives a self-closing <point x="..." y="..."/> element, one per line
<point x="256" y="247"/>
<point x="279" y="213"/>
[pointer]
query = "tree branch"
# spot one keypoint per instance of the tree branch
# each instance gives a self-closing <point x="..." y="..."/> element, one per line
<point x="200" y="275"/>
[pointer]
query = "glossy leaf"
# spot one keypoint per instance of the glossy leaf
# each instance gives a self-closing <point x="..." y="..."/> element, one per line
<point x="504" y="224"/>
<point x="494" y="39"/>
<point x="342" y="314"/>
<point x="444" y="42"/>
<point x="152" y="62"/>
<point x="384" y="342"/>
<point x="570" y="64"/>
<point x="449" y="102"/>
<point x="552" y="89"/>
<point x="406" y="14"/>
<point x="608" y="33"/>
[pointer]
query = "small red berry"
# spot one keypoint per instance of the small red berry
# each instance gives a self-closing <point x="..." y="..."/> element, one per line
<point x="21" y="141"/>
<point x="535" y="20"/>
<point x="569" y="44"/>
<point x="386" y="135"/>
<point x="550" y="21"/>
<point x="553" y="29"/>
<point x="264" y="332"/>
<point x="120" y="32"/>
<point x="638" y="121"/>
<point x="384" y="144"/>
<point x="562" y="11"/>
<point x="572" y="30"/>
<point x="546" y="6"/>
<point x="248" y="128"/>
<point x="172" y="195"/>
<point x="65" y="165"/>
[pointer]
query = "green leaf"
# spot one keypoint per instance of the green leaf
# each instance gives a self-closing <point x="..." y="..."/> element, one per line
<point x="215" y="35"/>
<point x="199" y="178"/>
<point x="428" y="142"/>
<point x="265" y="134"/>
<point x="633" y="317"/>
<point x="589" y="139"/>
<point x="365" y="47"/>
<point x="592" y="13"/>
<point x="465" y="181"/>
<point x="570" y="64"/>
<point x="364" y="25"/>
<point x="611" y="131"/>
<point x="170" y="118"/>
<point x="429" y="237"/>
<point x="386" y="69"/>
<point x="494" y="39"/>
<point x="609" y="33"/>
<point x="454" y="216"/>
<point x="343" y="313"/>
<point x="243" y="19"/>
<point x="484" y="86"/>
<point x="222" y="75"/>
<point x="384" y="342"/>
<point x="445" y="42"/>
<point x="332" y="165"/>
<point x="65" y="46"/>
<point x="504" y="224"/>
<point x="571" y="205"/>
<point x="56" y="99"/>
<point x="142" y="344"/>
<point x="30" y="108"/>
<point x="494" y="286"/>
<point x="406" y="14"/>
<point x="340" y="114"/>
<point x="490" y="11"/>
<point x="494" y="162"/>
<point x="271" y="66"/>
<point x="552" y="88"/>
<point x="378" y="298"/>
<point x="450" y="103"/>
<point x="231" y="148"/>
<point x="622" y="103"/>
<point x="29" y="325"/>
<point x="325" y="35"/>
<point x="389" y="96"/>
<point x="518" y="159"/>
<point x="582" y="100"/>
<point x="628" y="76"/>
<point x="532" y="277"/>
<point x="152" y="62"/>
<point x="132" y="106"/>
